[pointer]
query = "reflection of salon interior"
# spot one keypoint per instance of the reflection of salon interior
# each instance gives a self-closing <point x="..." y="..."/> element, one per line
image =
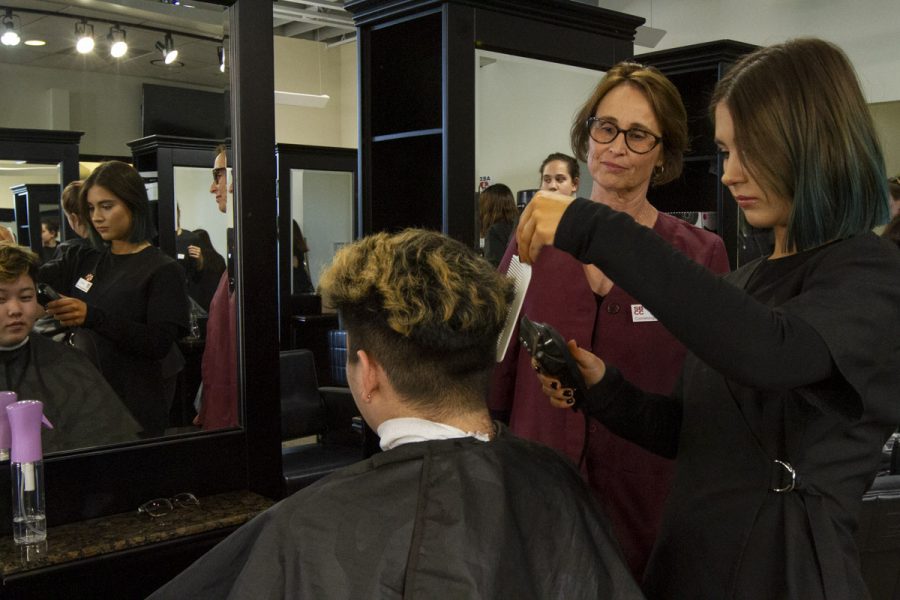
<point x="336" y="181"/>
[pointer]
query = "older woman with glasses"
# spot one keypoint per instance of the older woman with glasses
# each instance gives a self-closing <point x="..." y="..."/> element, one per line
<point x="632" y="132"/>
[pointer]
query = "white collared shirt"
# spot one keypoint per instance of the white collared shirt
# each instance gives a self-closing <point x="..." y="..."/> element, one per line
<point x="406" y="430"/>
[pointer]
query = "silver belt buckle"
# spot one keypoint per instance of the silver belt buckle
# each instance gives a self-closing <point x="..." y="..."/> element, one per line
<point x="787" y="467"/>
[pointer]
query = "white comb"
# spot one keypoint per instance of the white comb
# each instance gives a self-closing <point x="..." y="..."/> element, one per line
<point x="520" y="273"/>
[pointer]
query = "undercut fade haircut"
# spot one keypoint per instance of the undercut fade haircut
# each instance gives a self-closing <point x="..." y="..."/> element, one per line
<point x="428" y="309"/>
<point x="804" y="132"/>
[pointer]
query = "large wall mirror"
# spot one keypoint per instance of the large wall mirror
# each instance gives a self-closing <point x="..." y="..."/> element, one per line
<point x="510" y="145"/>
<point x="317" y="215"/>
<point x="58" y="89"/>
<point x="114" y="101"/>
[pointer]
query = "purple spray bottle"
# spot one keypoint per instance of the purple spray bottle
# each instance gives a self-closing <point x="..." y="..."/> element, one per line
<point x="6" y="398"/>
<point x="27" y="466"/>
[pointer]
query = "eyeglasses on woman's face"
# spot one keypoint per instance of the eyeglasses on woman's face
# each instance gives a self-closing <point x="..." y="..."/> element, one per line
<point x="639" y="141"/>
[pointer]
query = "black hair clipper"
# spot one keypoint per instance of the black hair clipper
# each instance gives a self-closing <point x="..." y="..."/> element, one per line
<point x="46" y="294"/>
<point x="548" y="348"/>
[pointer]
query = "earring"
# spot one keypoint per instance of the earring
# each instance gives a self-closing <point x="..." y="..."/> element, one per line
<point x="369" y="396"/>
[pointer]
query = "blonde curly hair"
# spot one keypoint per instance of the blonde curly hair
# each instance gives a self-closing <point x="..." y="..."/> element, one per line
<point x="426" y="307"/>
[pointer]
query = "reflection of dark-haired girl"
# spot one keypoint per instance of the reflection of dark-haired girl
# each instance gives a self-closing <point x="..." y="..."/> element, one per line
<point x="203" y="286"/>
<point x="126" y="294"/>
<point x="300" y="268"/>
<point x="497" y="212"/>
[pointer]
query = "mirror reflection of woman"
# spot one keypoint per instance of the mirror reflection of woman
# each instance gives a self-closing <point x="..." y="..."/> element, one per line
<point x="125" y="294"/>
<point x="631" y="132"/>
<point x="203" y="286"/>
<point x="49" y="232"/>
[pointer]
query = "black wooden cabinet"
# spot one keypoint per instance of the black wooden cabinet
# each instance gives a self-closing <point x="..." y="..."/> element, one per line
<point x="160" y="154"/>
<point x="34" y="202"/>
<point x="417" y="94"/>
<point x="695" y="70"/>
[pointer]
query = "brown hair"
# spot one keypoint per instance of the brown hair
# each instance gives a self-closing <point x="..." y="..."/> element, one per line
<point x="428" y="309"/>
<point x="125" y="183"/>
<point x="804" y="133"/>
<point x="496" y="204"/>
<point x="70" y="201"/>
<point x="16" y="261"/>
<point x="571" y="165"/>
<point x="667" y="106"/>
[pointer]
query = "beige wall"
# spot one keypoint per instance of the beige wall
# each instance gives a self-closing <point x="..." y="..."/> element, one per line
<point x="524" y="110"/>
<point x="303" y="66"/>
<point x="887" y="121"/>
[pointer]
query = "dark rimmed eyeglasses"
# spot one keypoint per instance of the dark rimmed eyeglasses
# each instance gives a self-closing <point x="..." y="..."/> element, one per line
<point x="159" y="507"/>
<point x="218" y="172"/>
<point x="638" y="140"/>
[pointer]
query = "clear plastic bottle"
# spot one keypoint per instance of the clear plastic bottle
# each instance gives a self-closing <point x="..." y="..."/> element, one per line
<point x="29" y="515"/>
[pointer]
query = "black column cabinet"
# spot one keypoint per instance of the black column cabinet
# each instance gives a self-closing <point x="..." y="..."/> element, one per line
<point x="695" y="70"/>
<point x="33" y="203"/>
<point x="160" y="154"/>
<point x="417" y="94"/>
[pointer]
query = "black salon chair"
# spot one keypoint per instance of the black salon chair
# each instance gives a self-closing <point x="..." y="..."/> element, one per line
<point x="879" y="535"/>
<point x="329" y="414"/>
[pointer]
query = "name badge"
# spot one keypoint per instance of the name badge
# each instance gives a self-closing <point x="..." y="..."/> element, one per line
<point x="639" y="314"/>
<point x="179" y="256"/>
<point x="83" y="284"/>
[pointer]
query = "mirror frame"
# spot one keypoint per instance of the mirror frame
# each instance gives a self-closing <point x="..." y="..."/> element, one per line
<point x="93" y="483"/>
<point x="44" y="146"/>
<point x="314" y="158"/>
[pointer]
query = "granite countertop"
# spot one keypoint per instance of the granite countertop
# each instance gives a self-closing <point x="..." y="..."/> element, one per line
<point x="114" y="533"/>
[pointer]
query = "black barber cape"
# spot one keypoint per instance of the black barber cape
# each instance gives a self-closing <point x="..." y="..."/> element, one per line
<point x="83" y="409"/>
<point x="452" y="518"/>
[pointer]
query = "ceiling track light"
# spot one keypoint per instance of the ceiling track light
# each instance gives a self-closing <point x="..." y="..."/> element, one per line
<point x="84" y="34"/>
<point x="10" y="36"/>
<point x="169" y="51"/>
<point x="220" y="51"/>
<point x="118" y="47"/>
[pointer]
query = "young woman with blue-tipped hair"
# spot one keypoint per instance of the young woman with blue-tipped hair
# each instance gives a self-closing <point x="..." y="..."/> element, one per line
<point x="790" y="387"/>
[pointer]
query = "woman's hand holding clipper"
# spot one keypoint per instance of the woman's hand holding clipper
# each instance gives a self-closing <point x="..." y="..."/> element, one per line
<point x="592" y="370"/>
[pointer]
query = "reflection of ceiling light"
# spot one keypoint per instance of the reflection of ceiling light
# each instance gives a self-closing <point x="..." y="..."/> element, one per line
<point x="84" y="33"/>
<point x="35" y="43"/>
<point x="169" y="51"/>
<point x="220" y="50"/>
<point x="10" y="36"/>
<point x="118" y="47"/>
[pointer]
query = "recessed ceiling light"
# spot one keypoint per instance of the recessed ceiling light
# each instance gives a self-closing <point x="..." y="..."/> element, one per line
<point x="35" y="43"/>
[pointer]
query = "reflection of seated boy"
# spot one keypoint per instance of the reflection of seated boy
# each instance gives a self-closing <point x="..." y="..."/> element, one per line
<point x="84" y="410"/>
<point x="456" y="506"/>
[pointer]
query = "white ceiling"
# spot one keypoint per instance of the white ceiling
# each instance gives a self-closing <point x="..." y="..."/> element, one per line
<point x="198" y="64"/>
